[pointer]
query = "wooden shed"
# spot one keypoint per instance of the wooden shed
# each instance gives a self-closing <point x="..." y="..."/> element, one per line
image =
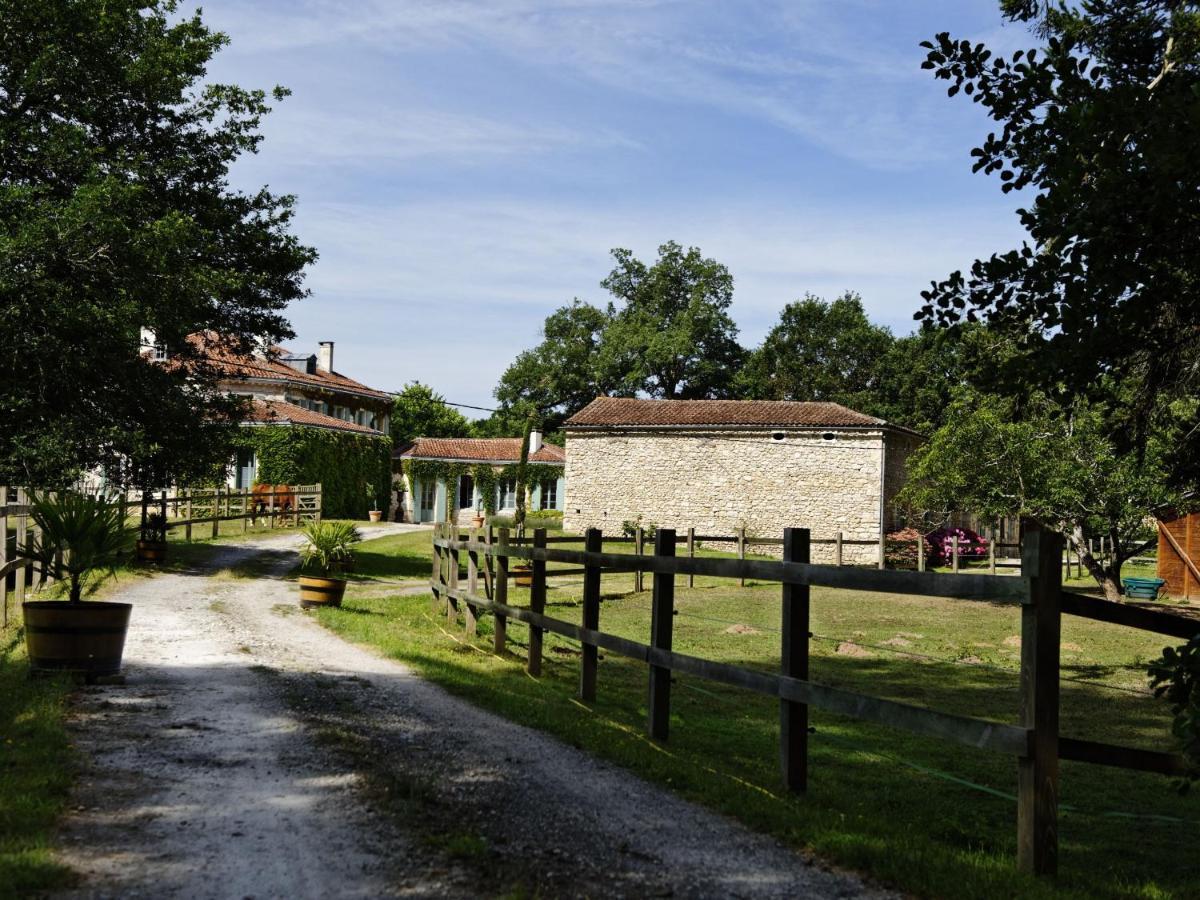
<point x="1179" y="553"/>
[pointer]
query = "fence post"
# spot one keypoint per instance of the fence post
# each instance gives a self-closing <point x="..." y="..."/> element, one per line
<point x="537" y="603"/>
<point x="741" y="551"/>
<point x="593" y="542"/>
<point x="921" y="553"/>
<point x="216" y="512"/>
<point x="4" y="551"/>
<point x="1037" y="773"/>
<point x="992" y="556"/>
<point x="470" y="625"/>
<point x="319" y="506"/>
<point x="639" y="547"/>
<point x="954" y="553"/>
<point x="691" y="548"/>
<point x="837" y="557"/>
<point x="20" y="542"/>
<point x="187" y="528"/>
<point x="662" y="623"/>
<point x="882" y="549"/>
<point x="793" y="716"/>
<point x="452" y="577"/>
<point x="500" y="594"/>
<point x="436" y="577"/>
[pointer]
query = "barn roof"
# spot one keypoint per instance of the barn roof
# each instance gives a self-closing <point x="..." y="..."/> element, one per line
<point x="632" y="412"/>
<point x="495" y="450"/>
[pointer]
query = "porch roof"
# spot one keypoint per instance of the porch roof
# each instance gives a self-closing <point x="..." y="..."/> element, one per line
<point x="499" y="451"/>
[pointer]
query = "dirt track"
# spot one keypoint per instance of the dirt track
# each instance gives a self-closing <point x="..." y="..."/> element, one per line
<point x="254" y="754"/>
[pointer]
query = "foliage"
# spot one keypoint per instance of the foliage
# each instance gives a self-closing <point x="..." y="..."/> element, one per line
<point x="900" y="548"/>
<point x="340" y="461"/>
<point x="1102" y="122"/>
<point x="1175" y="677"/>
<point x="328" y="546"/>
<point x="154" y="528"/>
<point x="116" y="213"/>
<point x="672" y="335"/>
<point x="80" y="534"/>
<point x="940" y="545"/>
<point x="562" y="374"/>
<point x="629" y="528"/>
<point x="996" y="457"/>
<point x="486" y="477"/>
<point x="819" y="351"/>
<point x="542" y="518"/>
<point x="418" y="411"/>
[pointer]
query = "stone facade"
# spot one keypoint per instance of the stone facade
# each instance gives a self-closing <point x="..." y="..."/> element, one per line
<point x="717" y="480"/>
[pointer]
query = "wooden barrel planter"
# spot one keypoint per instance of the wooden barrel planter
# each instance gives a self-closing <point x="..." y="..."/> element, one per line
<point x="317" y="591"/>
<point x="523" y="575"/>
<point x="151" y="551"/>
<point x="76" y="637"/>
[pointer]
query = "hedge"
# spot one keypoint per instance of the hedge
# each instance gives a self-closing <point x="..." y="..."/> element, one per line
<point x="344" y="464"/>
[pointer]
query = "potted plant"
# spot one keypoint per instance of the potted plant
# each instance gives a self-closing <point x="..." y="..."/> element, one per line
<point x="81" y="536"/>
<point x="477" y="520"/>
<point x="375" y="513"/>
<point x="327" y="550"/>
<point x="152" y="539"/>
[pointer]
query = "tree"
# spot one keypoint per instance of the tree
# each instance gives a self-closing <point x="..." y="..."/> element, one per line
<point x="116" y="214"/>
<point x="671" y="336"/>
<point x="1102" y="122"/>
<point x="418" y="411"/>
<point x="1056" y="466"/>
<point x="819" y="351"/>
<point x="562" y="374"/>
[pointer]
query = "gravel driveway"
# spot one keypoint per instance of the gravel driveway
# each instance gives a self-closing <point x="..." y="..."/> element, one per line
<point x="252" y="753"/>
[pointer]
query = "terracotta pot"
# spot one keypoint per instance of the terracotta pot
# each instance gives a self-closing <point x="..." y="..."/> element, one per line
<point x="375" y="515"/>
<point x="151" y="551"/>
<point x="477" y="521"/>
<point x="523" y="575"/>
<point x="76" y="637"/>
<point x="317" y="591"/>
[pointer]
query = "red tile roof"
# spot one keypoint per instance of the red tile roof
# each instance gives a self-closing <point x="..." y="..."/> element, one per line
<point x="498" y="450"/>
<point x="632" y="412"/>
<point x="233" y="365"/>
<point x="277" y="412"/>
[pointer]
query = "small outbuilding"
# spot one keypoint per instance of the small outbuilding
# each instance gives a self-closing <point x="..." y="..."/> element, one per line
<point x="1179" y="553"/>
<point x="720" y="465"/>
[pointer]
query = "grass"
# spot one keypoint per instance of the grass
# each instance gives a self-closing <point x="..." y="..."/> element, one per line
<point x="36" y="770"/>
<point x="933" y="818"/>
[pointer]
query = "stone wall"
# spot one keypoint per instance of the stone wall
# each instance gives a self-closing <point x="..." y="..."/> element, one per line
<point x="717" y="482"/>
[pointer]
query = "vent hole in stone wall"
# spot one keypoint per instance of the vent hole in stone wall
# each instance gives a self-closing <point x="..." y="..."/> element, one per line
<point x="828" y="436"/>
<point x="777" y="435"/>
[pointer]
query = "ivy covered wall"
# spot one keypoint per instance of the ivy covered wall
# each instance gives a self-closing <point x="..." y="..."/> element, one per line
<point x="348" y="466"/>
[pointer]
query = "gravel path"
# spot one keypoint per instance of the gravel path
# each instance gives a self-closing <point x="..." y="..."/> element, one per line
<point x="252" y="753"/>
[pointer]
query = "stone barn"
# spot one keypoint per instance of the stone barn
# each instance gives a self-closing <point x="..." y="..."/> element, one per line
<point x="718" y="465"/>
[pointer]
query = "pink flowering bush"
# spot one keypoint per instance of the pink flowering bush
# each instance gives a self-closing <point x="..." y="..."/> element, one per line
<point x="939" y="545"/>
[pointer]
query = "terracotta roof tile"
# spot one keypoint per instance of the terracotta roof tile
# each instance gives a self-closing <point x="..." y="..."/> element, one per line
<point x="499" y="450"/>
<point x="277" y="412"/>
<point x="233" y="365"/>
<point x="635" y="413"/>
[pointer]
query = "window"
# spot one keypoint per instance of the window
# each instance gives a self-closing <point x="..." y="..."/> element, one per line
<point x="466" y="492"/>
<point x="160" y="351"/>
<point x="549" y="495"/>
<point x="506" y="493"/>
<point x="428" y="500"/>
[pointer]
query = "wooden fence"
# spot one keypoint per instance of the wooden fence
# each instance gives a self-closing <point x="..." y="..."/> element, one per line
<point x="1035" y="741"/>
<point x="14" y="515"/>
<point x="186" y="509"/>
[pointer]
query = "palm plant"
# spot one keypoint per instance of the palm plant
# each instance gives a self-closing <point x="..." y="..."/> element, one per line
<point x="78" y="534"/>
<point x="329" y="546"/>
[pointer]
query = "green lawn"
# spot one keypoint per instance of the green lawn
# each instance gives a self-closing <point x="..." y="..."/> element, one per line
<point x="35" y="772"/>
<point x="933" y="818"/>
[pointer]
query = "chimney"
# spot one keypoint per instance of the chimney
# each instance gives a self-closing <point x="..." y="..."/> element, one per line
<point x="325" y="356"/>
<point x="535" y="441"/>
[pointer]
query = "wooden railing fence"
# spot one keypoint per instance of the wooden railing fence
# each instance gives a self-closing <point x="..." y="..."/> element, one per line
<point x="211" y="506"/>
<point x="14" y="516"/>
<point x="1035" y="741"/>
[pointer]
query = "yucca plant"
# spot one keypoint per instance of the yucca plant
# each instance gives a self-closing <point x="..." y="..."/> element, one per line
<point x="79" y="534"/>
<point x="329" y="546"/>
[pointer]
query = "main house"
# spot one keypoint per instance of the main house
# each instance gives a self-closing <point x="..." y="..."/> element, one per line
<point x="457" y="479"/>
<point x="306" y="422"/>
<point x="720" y="465"/>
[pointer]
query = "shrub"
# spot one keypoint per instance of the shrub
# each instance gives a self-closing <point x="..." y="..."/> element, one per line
<point x="900" y="548"/>
<point x="630" y="526"/>
<point x="940" y="545"/>
<point x="328" y="546"/>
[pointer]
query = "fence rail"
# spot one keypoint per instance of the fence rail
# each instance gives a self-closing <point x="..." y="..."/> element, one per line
<point x="188" y="508"/>
<point x="1034" y="741"/>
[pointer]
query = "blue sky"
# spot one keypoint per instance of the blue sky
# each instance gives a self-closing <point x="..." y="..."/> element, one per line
<point x="464" y="168"/>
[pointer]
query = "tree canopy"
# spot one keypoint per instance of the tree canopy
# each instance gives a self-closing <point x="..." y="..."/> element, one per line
<point x="419" y="411"/>
<point x="116" y="214"/>
<point x="1102" y="123"/>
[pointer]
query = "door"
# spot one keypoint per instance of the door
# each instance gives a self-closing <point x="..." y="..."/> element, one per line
<point x="244" y="470"/>
<point x="427" y="496"/>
